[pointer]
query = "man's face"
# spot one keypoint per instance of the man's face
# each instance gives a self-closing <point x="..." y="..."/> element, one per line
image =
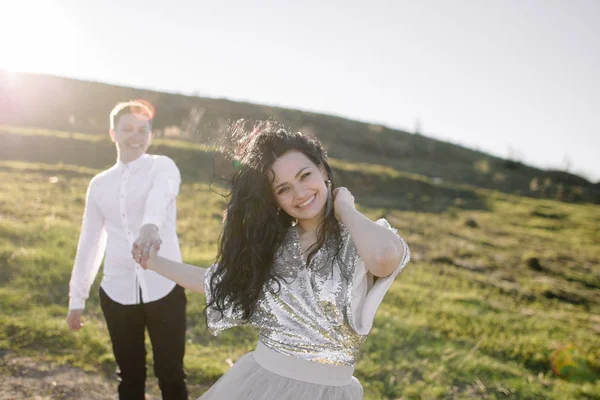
<point x="132" y="135"/>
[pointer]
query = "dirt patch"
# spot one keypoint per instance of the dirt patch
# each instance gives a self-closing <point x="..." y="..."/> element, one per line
<point x="24" y="378"/>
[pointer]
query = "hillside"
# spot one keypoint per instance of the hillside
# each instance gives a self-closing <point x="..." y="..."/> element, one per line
<point x="37" y="101"/>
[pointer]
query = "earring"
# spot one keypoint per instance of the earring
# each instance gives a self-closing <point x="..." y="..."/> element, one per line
<point x="278" y="210"/>
<point x="329" y="203"/>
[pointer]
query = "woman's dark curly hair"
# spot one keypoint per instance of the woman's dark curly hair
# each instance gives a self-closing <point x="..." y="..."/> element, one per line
<point x="253" y="229"/>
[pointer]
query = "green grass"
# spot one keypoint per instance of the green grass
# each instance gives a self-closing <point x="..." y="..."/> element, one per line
<point x="470" y="318"/>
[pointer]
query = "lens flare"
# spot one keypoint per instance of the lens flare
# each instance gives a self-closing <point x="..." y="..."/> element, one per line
<point x="569" y="364"/>
<point x="145" y="110"/>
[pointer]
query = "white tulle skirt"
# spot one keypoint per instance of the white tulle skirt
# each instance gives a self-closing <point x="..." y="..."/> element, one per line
<point x="265" y="374"/>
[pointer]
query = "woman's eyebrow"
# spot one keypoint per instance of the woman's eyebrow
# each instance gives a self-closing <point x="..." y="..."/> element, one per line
<point x="298" y="173"/>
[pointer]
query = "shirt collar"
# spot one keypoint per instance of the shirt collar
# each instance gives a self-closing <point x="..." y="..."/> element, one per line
<point x="133" y="165"/>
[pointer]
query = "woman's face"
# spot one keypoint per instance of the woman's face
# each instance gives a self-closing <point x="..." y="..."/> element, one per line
<point x="299" y="186"/>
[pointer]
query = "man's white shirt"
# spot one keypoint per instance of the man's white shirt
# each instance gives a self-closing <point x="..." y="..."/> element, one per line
<point x="119" y="202"/>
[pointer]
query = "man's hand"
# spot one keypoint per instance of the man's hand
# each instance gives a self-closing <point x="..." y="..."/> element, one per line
<point x="147" y="245"/>
<point x="74" y="319"/>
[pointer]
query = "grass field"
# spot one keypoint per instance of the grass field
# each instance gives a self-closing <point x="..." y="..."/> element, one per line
<point x="498" y="284"/>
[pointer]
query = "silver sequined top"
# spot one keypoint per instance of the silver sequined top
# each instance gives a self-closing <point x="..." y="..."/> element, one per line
<point x="311" y="315"/>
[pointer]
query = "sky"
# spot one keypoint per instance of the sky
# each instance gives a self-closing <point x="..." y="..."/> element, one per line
<point x="515" y="78"/>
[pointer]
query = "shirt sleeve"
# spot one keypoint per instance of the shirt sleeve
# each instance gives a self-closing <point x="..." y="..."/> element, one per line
<point x="216" y="321"/>
<point x="90" y="251"/>
<point x="165" y="187"/>
<point x="366" y="294"/>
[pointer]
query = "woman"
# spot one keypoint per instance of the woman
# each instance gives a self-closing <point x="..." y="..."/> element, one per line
<point x="297" y="261"/>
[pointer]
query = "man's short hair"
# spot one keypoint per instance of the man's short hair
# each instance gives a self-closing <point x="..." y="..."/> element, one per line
<point x="139" y="108"/>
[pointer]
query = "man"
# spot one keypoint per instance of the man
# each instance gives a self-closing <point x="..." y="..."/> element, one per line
<point x="134" y="198"/>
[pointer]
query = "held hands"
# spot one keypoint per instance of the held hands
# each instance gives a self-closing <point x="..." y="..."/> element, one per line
<point x="74" y="319"/>
<point x="147" y="245"/>
<point x="343" y="201"/>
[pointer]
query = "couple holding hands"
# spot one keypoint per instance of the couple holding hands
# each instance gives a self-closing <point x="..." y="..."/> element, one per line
<point x="295" y="260"/>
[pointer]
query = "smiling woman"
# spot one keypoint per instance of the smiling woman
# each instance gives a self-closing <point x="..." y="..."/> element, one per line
<point x="41" y="34"/>
<point x="309" y="277"/>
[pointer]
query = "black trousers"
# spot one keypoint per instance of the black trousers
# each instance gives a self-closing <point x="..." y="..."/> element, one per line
<point x="166" y="323"/>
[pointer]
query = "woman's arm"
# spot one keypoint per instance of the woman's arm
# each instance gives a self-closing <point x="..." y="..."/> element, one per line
<point x="380" y="248"/>
<point x="189" y="276"/>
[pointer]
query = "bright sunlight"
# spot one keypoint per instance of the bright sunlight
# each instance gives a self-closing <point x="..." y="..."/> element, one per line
<point x="37" y="36"/>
